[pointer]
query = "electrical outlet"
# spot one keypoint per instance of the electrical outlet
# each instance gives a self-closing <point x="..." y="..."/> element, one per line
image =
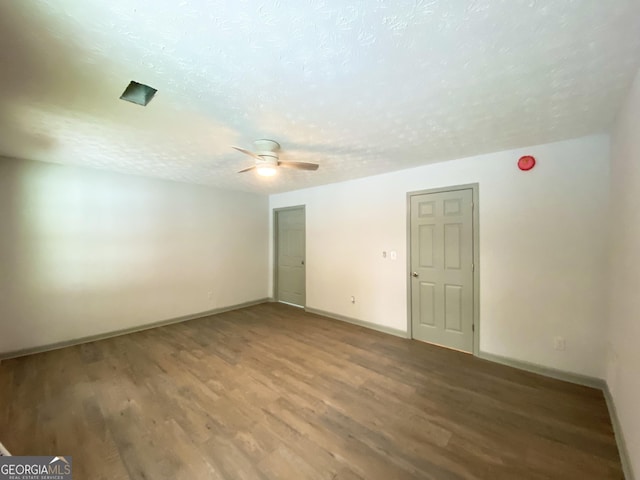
<point x="210" y="295"/>
<point x="559" y="343"/>
<point x="394" y="255"/>
<point x="353" y="299"/>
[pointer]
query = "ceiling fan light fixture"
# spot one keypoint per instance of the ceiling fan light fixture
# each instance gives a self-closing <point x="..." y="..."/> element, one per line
<point x="267" y="161"/>
<point x="266" y="170"/>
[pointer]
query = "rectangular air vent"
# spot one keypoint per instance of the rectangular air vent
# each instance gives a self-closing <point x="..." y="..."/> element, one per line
<point x="138" y="93"/>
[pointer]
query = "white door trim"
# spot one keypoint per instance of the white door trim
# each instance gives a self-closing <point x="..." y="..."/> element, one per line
<point x="474" y="187"/>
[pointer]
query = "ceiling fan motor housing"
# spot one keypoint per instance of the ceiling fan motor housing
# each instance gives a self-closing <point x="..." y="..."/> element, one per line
<point x="268" y="150"/>
<point x="265" y="145"/>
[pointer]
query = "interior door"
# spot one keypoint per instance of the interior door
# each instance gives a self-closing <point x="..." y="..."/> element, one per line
<point x="290" y="256"/>
<point x="442" y="268"/>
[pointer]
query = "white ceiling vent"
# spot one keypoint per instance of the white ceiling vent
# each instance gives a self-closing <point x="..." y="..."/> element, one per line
<point x="138" y="93"/>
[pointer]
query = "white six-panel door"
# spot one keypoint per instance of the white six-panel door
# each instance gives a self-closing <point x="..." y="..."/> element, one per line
<point x="441" y="265"/>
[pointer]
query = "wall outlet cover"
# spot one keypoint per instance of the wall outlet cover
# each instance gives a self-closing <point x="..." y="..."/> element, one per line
<point x="559" y="343"/>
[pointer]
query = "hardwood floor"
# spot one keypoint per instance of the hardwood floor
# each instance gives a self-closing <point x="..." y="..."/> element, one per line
<point x="272" y="392"/>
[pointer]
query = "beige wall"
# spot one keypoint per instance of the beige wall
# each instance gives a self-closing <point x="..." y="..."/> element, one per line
<point x="85" y="252"/>
<point x="623" y="366"/>
<point x="542" y="249"/>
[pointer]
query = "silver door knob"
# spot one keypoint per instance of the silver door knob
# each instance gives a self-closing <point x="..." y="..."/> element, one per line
<point x="414" y="274"/>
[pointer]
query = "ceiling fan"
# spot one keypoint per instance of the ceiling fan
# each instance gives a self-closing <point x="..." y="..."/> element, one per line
<point x="267" y="159"/>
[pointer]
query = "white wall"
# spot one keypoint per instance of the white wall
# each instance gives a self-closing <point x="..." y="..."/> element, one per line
<point x="85" y="252"/>
<point x="623" y="366"/>
<point x="542" y="248"/>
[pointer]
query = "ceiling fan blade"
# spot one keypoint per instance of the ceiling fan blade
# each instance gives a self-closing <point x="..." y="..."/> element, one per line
<point x="248" y="152"/>
<point x="299" y="165"/>
<point x="247" y="169"/>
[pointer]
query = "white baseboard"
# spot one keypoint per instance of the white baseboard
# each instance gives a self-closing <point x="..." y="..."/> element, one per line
<point x="361" y="323"/>
<point x="625" y="458"/>
<point x="570" y="377"/>
<point x="125" y="331"/>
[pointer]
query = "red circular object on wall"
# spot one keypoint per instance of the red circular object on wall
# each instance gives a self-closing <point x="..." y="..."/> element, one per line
<point x="526" y="163"/>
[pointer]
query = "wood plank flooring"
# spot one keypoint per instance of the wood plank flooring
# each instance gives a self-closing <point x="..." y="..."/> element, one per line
<point x="272" y="392"/>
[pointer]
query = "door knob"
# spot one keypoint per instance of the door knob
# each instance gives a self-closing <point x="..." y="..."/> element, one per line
<point x="415" y="274"/>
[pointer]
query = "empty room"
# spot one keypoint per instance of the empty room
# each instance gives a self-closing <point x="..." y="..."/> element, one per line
<point x="341" y="240"/>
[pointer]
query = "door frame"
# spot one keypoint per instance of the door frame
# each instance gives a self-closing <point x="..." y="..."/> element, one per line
<point x="474" y="187"/>
<point x="275" y="250"/>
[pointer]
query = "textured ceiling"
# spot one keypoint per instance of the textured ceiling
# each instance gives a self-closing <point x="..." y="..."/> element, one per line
<point x="360" y="87"/>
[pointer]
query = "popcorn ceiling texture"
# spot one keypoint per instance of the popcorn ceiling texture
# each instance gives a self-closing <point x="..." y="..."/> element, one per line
<point x="360" y="87"/>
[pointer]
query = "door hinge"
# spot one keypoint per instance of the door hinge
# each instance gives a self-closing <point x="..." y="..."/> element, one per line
<point x="473" y="327"/>
<point x="473" y="267"/>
